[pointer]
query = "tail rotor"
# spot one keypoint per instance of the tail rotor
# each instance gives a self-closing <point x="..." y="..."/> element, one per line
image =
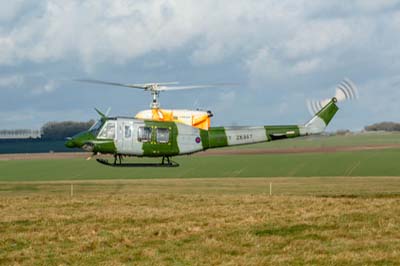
<point x="346" y="90"/>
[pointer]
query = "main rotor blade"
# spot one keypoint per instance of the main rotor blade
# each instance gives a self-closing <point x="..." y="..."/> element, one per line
<point x="166" y="83"/>
<point x="136" y="86"/>
<point x="162" y="86"/>
<point x="189" y="87"/>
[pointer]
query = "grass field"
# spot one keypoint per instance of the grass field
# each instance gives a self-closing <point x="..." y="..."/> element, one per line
<point x="336" y="208"/>
<point x="372" y="138"/>
<point x="312" y="221"/>
<point x="361" y="163"/>
<point x="357" y="163"/>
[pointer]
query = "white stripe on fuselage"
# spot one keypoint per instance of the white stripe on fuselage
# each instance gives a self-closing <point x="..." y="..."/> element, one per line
<point x="246" y="135"/>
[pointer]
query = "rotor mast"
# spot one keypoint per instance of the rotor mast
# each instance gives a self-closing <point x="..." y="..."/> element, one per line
<point x="155" y="104"/>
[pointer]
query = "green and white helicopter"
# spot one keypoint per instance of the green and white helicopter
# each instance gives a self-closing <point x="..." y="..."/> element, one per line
<point x="128" y="136"/>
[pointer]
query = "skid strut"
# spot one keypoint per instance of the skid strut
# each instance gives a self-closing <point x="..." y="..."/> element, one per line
<point x="119" y="157"/>
<point x="165" y="162"/>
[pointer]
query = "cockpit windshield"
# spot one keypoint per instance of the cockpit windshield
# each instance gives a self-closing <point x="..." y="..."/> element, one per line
<point x="96" y="127"/>
<point x="108" y="130"/>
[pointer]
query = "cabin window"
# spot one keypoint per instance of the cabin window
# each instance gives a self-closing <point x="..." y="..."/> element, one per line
<point x="144" y="134"/>
<point x="128" y="132"/>
<point x="162" y="135"/>
<point x="108" y="131"/>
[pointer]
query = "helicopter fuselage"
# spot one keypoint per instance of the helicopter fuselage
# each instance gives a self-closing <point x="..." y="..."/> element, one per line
<point x="134" y="137"/>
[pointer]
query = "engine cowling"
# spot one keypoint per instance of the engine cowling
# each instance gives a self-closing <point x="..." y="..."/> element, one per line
<point x="195" y="118"/>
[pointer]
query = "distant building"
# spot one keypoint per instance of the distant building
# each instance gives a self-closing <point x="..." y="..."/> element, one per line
<point x="20" y="134"/>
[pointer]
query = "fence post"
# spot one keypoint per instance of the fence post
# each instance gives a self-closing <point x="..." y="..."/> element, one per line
<point x="270" y="188"/>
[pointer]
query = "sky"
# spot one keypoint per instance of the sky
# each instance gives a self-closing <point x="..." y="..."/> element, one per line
<point x="281" y="53"/>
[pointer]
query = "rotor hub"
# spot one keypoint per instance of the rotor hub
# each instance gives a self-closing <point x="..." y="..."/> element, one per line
<point x="155" y="104"/>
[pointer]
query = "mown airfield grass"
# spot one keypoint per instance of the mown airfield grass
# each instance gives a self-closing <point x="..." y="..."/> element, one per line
<point x="325" y="209"/>
<point x="360" y="163"/>
<point x="356" y="163"/>
<point x="368" y="138"/>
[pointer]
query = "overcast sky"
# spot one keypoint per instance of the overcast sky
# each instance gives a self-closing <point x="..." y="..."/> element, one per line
<point x="280" y="52"/>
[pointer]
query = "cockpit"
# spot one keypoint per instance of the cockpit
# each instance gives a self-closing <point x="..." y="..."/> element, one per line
<point x="94" y="129"/>
<point x="108" y="130"/>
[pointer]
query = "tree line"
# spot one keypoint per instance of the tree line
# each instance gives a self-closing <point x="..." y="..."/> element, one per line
<point x="383" y="126"/>
<point x="62" y="130"/>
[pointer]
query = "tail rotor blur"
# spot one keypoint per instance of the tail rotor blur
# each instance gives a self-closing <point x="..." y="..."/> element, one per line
<point x="346" y="90"/>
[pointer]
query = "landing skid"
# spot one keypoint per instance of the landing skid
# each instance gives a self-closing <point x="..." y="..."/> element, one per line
<point x="168" y="163"/>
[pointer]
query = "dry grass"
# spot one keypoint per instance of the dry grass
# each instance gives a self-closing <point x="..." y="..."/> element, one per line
<point x="332" y="221"/>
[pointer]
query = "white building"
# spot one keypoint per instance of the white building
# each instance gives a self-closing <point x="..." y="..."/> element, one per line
<point x="20" y="134"/>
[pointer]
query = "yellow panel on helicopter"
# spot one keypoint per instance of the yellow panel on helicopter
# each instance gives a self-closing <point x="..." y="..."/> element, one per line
<point x="199" y="119"/>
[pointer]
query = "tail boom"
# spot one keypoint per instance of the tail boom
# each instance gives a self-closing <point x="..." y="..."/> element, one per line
<point x="231" y="136"/>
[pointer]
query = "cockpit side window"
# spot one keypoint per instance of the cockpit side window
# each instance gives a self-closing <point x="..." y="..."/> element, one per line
<point x="108" y="131"/>
<point x="144" y="134"/>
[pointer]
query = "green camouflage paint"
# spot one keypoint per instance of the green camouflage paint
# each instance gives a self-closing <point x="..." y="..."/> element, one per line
<point x="155" y="149"/>
<point x="79" y="139"/>
<point x="329" y="111"/>
<point x="104" y="146"/>
<point x="217" y="137"/>
<point x="280" y="132"/>
<point x="204" y="139"/>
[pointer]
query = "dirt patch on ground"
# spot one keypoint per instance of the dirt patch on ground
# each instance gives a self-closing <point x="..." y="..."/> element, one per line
<point x="70" y="155"/>
<point x="45" y="156"/>
<point x="300" y="150"/>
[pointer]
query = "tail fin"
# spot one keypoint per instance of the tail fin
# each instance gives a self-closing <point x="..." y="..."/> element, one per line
<point x="321" y="119"/>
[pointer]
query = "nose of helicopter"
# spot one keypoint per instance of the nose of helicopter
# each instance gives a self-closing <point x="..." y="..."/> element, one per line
<point x="70" y="143"/>
<point x="78" y="140"/>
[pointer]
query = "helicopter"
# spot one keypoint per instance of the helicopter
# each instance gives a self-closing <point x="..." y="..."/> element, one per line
<point x="166" y="138"/>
